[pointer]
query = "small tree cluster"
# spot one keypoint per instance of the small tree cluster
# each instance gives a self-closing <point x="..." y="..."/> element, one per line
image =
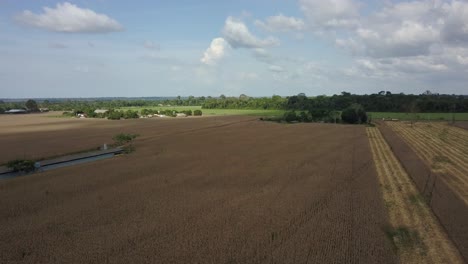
<point x="122" y="138"/>
<point x="31" y="105"/>
<point x="197" y="112"/>
<point x="314" y="115"/>
<point x="354" y="114"/>
<point x="117" y="115"/>
<point x="21" y="165"/>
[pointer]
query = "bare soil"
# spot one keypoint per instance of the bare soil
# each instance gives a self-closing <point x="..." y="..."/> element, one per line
<point x="461" y="124"/>
<point x="212" y="190"/>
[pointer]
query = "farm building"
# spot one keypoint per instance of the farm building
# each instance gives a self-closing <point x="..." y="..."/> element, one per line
<point x="16" y="111"/>
<point x="101" y="111"/>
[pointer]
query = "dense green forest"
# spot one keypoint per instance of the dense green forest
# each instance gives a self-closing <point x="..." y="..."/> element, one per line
<point x="379" y="102"/>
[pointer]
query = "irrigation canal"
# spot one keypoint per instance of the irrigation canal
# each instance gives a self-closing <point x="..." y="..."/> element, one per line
<point x="63" y="161"/>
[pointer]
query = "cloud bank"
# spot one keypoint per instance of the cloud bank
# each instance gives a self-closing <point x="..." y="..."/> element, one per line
<point x="69" y="18"/>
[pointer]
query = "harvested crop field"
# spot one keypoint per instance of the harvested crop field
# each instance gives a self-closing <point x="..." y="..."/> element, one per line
<point x="213" y="190"/>
<point x="444" y="149"/>
<point x="434" y="154"/>
<point x="414" y="229"/>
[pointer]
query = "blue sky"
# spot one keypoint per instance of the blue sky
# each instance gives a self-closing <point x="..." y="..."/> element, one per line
<point x="259" y="48"/>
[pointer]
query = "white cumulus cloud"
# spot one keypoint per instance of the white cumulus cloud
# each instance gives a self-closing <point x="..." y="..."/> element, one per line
<point x="69" y="18"/>
<point x="238" y="35"/>
<point x="215" y="52"/>
<point x="281" y="23"/>
<point x="332" y="13"/>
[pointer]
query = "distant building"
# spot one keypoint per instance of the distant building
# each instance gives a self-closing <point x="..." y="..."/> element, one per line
<point x="16" y="111"/>
<point x="44" y="110"/>
<point x="100" y="111"/>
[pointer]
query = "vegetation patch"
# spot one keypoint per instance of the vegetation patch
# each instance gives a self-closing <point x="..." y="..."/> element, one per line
<point x="417" y="199"/>
<point x="125" y="141"/>
<point x="441" y="159"/>
<point x="404" y="239"/>
<point x="123" y="138"/>
<point x="21" y="165"/>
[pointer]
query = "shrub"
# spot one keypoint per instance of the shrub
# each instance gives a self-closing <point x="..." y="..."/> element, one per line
<point x="129" y="114"/>
<point x="21" y="165"/>
<point x="303" y="117"/>
<point x="114" y="115"/>
<point x="187" y="112"/>
<point x="145" y="112"/>
<point x="197" y="112"/>
<point x="318" y="114"/>
<point x="290" y="116"/>
<point x="122" y="138"/>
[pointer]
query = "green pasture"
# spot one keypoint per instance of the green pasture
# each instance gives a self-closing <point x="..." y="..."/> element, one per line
<point x="420" y="116"/>
<point x="211" y="112"/>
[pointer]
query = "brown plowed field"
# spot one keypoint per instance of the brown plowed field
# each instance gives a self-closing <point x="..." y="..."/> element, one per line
<point x="221" y="190"/>
<point x="39" y="136"/>
<point x="417" y="234"/>
<point x="463" y="125"/>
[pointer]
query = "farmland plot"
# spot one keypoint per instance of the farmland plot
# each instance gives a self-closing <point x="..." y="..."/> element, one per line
<point x="414" y="230"/>
<point x="444" y="149"/>
<point x="238" y="192"/>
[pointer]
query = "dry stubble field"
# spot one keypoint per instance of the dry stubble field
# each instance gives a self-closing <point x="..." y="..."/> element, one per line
<point x="210" y="190"/>
<point x="436" y="154"/>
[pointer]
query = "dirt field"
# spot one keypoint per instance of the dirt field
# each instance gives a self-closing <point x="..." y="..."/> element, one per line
<point x="463" y="125"/>
<point x="415" y="230"/>
<point x="38" y="136"/>
<point x="214" y="190"/>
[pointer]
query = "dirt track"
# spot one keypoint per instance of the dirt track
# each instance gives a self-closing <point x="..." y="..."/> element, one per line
<point x="222" y="190"/>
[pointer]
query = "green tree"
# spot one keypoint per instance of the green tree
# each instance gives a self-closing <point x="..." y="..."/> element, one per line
<point x="129" y="114"/>
<point x="354" y="114"/>
<point x="31" y="105"/>
<point x="335" y="116"/>
<point x="114" y="115"/>
<point x="304" y="117"/>
<point x="197" y="112"/>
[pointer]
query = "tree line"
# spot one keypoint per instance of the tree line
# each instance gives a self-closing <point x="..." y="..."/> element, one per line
<point x="378" y="102"/>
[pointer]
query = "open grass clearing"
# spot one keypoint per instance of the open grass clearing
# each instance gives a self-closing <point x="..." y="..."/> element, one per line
<point x="213" y="112"/>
